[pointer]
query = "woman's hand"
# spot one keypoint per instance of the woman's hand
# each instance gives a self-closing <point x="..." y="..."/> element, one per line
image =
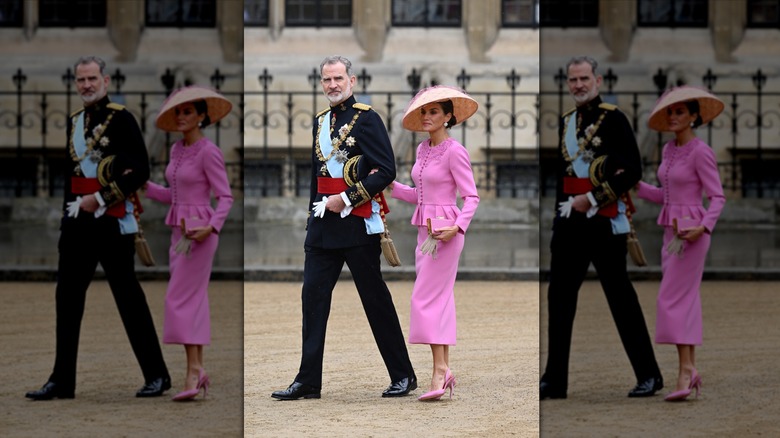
<point x="445" y="234"/>
<point x="692" y="234"/>
<point x="200" y="233"/>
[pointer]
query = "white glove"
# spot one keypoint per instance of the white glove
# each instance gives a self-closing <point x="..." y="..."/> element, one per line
<point x="564" y="208"/>
<point x="74" y="207"/>
<point x="592" y="212"/>
<point x="345" y="212"/>
<point x="99" y="212"/>
<point x="319" y="207"/>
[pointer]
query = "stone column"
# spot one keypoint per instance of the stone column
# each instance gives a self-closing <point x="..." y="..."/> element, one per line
<point x="230" y="24"/>
<point x="371" y="22"/>
<point x="275" y="18"/>
<point x="124" y="22"/>
<point x="617" y="24"/>
<point x="727" y="24"/>
<point x="30" y="11"/>
<point x="481" y="22"/>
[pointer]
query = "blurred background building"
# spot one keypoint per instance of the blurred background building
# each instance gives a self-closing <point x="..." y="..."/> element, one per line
<point x="647" y="46"/>
<point x="488" y="47"/>
<point x="151" y="47"/>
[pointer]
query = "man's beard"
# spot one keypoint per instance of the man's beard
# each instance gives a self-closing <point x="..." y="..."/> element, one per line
<point x="342" y="96"/>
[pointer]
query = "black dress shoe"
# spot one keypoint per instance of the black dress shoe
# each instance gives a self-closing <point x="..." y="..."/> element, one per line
<point x="647" y="387"/>
<point x="546" y="390"/>
<point x="155" y="387"/>
<point x="49" y="391"/>
<point x="297" y="390"/>
<point x="401" y="387"/>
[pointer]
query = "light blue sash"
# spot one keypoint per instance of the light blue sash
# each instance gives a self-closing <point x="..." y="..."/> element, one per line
<point x="127" y="224"/>
<point x="374" y="224"/>
<point x="620" y="223"/>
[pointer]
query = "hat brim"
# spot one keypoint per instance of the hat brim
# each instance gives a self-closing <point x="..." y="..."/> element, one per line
<point x="463" y="105"/>
<point x="218" y="105"/>
<point x="709" y="106"/>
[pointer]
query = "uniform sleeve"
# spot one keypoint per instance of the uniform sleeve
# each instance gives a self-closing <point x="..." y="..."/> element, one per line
<point x="158" y="193"/>
<point x="377" y="154"/>
<point x="460" y="167"/>
<point x="707" y="171"/>
<point x="214" y="168"/>
<point x="130" y="167"/>
<point x="623" y="155"/>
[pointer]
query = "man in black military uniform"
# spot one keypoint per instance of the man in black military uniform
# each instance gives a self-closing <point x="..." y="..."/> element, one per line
<point x="599" y="162"/>
<point x="109" y="163"/>
<point x="350" y="142"/>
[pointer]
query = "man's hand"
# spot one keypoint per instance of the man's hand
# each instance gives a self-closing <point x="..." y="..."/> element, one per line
<point x="335" y="204"/>
<point x="581" y="203"/>
<point x="89" y="203"/>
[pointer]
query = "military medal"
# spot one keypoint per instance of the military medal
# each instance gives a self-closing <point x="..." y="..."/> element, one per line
<point x="95" y="155"/>
<point x="342" y="156"/>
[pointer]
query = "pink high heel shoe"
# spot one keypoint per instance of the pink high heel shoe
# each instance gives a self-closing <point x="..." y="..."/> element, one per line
<point x="684" y="393"/>
<point x="190" y="394"/>
<point x="435" y="395"/>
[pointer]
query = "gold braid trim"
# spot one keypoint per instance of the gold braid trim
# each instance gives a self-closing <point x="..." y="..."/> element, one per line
<point x="596" y="170"/>
<point x="104" y="170"/>
<point x="604" y="194"/>
<point x="359" y="197"/>
<point x="115" y="196"/>
<point x="350" y="170"/>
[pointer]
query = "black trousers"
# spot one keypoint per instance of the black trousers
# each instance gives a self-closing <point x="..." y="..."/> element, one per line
<point x="83" y="244"/>
<point x="576" y="243"/>
<point x="321" y="271"/>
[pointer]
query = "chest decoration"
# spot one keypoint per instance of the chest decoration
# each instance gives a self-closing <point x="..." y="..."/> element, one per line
<point x="83" y="146"/>
<point x="333" y="149"/>
<point x="586" y="139"/>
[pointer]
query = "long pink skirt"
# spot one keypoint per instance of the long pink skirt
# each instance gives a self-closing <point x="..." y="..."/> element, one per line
<point x="187" y="318"/>
<point x="432" y="316"/>
<point x="678" y="309"/>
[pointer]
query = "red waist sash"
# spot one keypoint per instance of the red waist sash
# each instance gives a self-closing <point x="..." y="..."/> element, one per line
<point x="87" y="186"/>
<point x="332" y="186"/>
<point x="578" y="186"/>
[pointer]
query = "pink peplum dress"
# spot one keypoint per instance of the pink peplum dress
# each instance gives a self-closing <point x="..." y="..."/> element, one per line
<point x="439" y="173"/>
<point x="193" y="173"/>
<point x="686" y="173"/>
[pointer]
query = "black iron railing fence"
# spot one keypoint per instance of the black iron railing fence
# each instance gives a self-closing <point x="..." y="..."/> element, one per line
<point x="33" y="161"/>
<point x="745" y="137"/>
<point x="501" y="135"/>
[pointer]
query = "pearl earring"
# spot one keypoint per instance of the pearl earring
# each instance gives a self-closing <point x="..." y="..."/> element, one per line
<point x="200" y="124"/>
<point x="446" y="124"/>
<point x="692" y="124"/>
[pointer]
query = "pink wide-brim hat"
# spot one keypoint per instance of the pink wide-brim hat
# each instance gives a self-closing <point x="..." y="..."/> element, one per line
<point x="218" y="105"/>
<point x="709" y="105"/>
<point x="463" y="106"/>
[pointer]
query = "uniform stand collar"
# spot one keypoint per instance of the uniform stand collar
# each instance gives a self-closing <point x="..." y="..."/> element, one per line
<point x="98" y="106"/>
<point x="343" y="106"/>
<point x="592" y="105"/>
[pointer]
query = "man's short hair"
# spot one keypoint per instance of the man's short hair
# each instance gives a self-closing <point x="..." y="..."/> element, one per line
<point x="84" y="60"/>
<point x="335" y="59"/>
<point x="583" y="59"/>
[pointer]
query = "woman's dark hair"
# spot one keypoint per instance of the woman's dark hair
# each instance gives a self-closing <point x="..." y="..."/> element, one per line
<point x="693" y="108"/>
<point x="201" y="107"/>
<point x="446" y="106"/>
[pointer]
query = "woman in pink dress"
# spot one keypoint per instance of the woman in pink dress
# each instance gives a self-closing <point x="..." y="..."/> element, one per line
<point x="196" y="170"/>
<point x="688" y="170"/>
<point x="441" y="171"/>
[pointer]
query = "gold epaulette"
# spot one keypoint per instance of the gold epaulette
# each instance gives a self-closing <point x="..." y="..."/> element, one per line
<point x="361" y="106"/>
<point x="115" y="106"/>
<point x="75" y="113"/>
<point x="321" y="113"/>
<point x="569" y="111"/>
<point x="608" y="106"/>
